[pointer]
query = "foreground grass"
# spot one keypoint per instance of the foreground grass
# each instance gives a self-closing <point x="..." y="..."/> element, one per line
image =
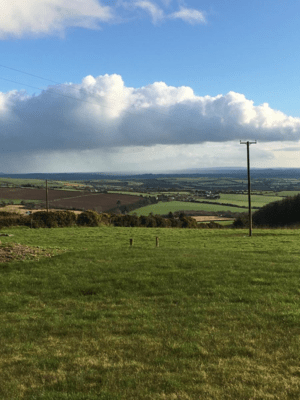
<point x="207" y="315"/>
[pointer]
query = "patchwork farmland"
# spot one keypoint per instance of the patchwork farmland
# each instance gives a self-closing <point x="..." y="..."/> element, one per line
<point x="70" y="199"/>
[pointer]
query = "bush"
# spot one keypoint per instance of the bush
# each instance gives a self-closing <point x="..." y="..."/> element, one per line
<point x="242" y="221"/>
<point x="89" y="218"/>
<point x="280" y="213"/>
<point x="8" y="219"/>
<point x="52" y="219"/>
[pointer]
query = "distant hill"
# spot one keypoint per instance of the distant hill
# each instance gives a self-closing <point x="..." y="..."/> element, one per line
<point x="213" y="172"/>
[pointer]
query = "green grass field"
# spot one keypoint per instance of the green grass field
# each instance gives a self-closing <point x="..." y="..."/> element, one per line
<point x="16" y="181"/>
<point x="235" y="199"/>
<point x="207" y="315"/>
<point x="242" y="199"/>
<point x="173" y="206"/>
<point x="289" y="193"/>
<point x="146" y="194"/>
<point x="129" y="193"/>
<point x="38" y="182"/>
<point x="18" y="201"/>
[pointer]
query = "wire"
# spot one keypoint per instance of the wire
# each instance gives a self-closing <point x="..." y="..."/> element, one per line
<point x="80" y="100"/>
<point x="74" y="88"/>
<point x="63" y="95"/>
<point x="27" y="73"/>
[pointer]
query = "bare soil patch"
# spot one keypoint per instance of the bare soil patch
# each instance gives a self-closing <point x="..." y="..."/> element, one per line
<point x="19" y="252"/>
<point x="100" y="202"/>
<point x="19" y="209"/>
<point x="209" y="218"/>
<point x="37" y="194"/>
<point x="65" y="199"/>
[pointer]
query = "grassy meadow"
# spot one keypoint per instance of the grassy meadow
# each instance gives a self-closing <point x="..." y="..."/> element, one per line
<point x="242" y="199"/>
<point x="162" y="208"/>
<point x="17" y="201"/>
<point x="239" y="200"/>
<point x="209" y="314"/>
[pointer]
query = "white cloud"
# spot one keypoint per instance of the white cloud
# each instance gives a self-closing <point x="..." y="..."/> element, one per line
<point x="103" y="116"/>
<point x="35" y="17"/>
<point x="20" y="18"/>
<point x="189" y="15"/>
<point x="156" y="12"/>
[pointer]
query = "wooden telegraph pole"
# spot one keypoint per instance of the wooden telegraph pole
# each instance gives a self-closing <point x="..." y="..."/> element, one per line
<point x="249" y="184"/>
<point x="47" y="205"/>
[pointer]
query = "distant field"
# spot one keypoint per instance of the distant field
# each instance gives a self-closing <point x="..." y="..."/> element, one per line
<point x="207" y="315"/>
<point x="236" y="199"/>
<point x="37" y="194"/>
<point x="70" y="199"/>
<point x="147" y="194"/>
<point x="17" y="201"/>
<point x="242" y="199"/>
<point x="173" y="206"/>
<point x="289" y="193"/>
<point x="129" y="193"/>
<point x="40" y="182"/>
<point x="16" y="181"/>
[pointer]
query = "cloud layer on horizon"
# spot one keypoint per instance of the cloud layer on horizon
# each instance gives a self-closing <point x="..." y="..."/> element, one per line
<point x="105" y="123"/>
<point x="47" y="17"/>
<point x="103" y="112"/>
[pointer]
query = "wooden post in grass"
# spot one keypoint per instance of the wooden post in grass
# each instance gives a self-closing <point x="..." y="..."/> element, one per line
<point x="47" y="205"/>
<point x="157" y="241"/>
<point x="131" y="242"/>
<point x="249" y="184"/>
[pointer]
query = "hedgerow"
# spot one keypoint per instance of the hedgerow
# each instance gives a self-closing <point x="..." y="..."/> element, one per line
<point x="52" y="219"/>
<point x="92" y="218"/>
<point x="55" y="219"/>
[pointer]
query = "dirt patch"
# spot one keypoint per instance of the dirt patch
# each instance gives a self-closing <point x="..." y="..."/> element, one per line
<point x="37" y="194"/>
<point x="18" y="252"/>
<point x="21" y="210"/>
<point x="208" y="218"/>
<point x="65" y="199"/>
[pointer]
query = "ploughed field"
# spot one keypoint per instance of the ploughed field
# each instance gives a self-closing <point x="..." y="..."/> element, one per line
<point x="70" y="199"/>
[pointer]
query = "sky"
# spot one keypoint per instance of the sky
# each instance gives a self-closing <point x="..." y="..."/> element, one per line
<point x="148" y="85"/>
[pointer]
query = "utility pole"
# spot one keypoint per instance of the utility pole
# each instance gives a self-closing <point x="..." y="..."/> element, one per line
<point x="47" y="205"/>
<point x="249" y="184"/>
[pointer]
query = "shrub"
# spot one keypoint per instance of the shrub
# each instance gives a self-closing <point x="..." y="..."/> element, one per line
<point x="52" y="219"/>
<point x="89" y="218"/>
<point x="242" y="221"/>
<point x="11" y="219"/>
<point x="279" y="213"/>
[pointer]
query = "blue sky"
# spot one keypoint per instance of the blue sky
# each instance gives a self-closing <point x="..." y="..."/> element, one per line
<point x="171" y="84"/>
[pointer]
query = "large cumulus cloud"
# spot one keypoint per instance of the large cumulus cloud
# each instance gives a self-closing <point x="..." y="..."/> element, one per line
<point x="102" y="113"/>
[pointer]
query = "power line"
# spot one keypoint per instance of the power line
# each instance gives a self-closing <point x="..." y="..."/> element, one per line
<point x="80" y="100"/>
<point x="84" y="101"/>
<point x="59" y="83"/>
<point x="74" y="88"/>
<point x="27" y="73"/>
